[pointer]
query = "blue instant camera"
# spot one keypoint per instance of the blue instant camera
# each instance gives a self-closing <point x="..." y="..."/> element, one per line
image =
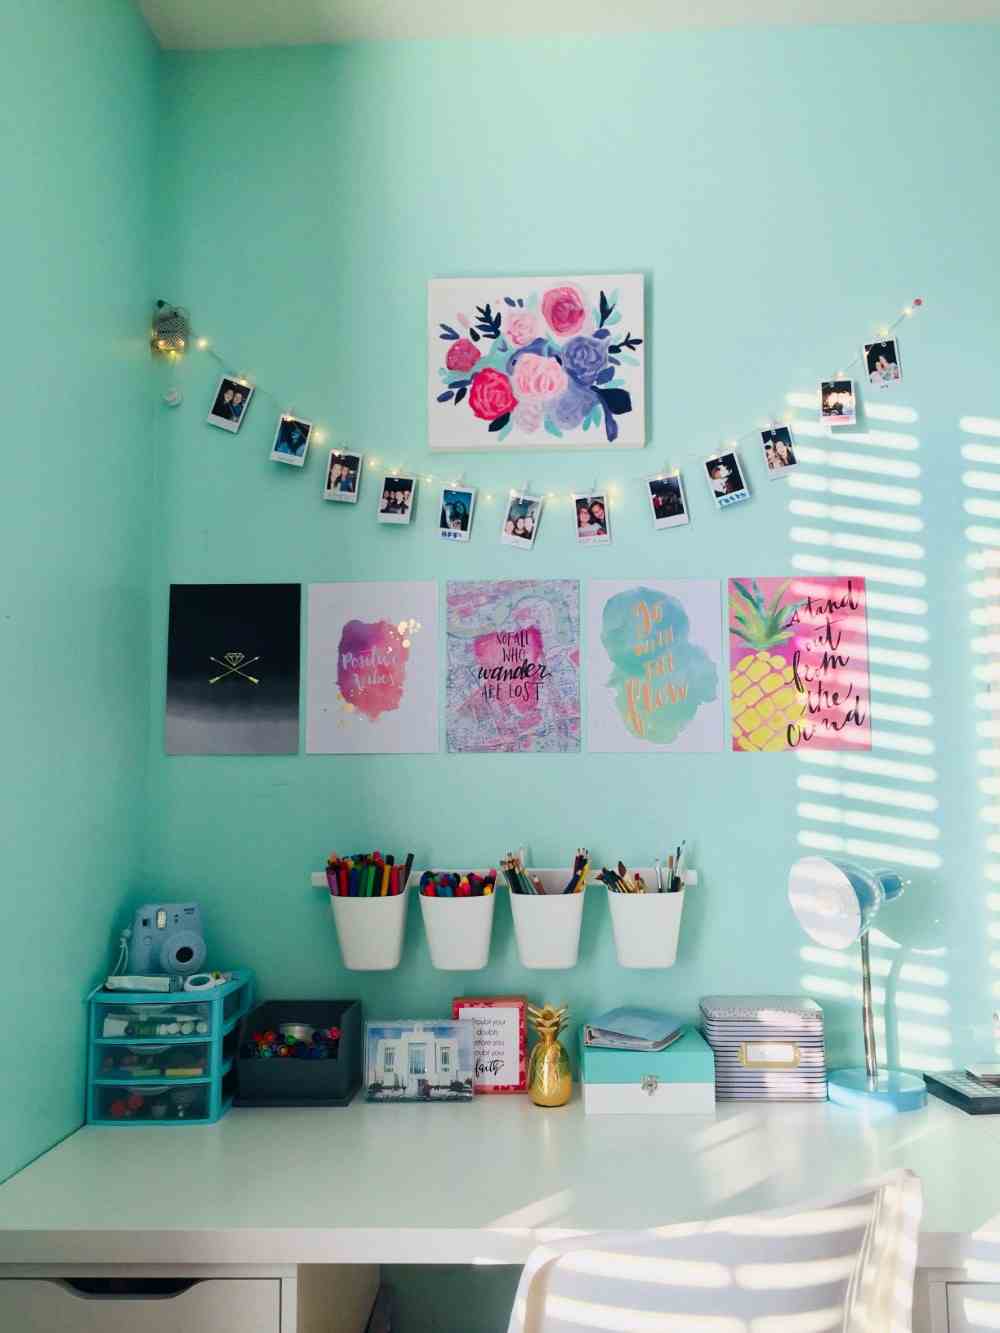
<point x="167" y="938"/>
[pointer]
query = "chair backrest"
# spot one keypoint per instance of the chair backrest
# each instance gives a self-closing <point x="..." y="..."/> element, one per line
<point x="845" y="1265"/>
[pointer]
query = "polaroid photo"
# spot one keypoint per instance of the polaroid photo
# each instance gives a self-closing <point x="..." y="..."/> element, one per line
<point x="291" y="441"/>
<point x="725" y="477"/>
<point x="779" y="451"/>
<point x="837" y="406"/>
<point x="343" y="476"/>
<point x="592" y="517"/>
<point x="229" y="406"/>
<point x="520" y="524"/>
<point x="457" y="505"/>
<point x="396" y="501"/>
<point x="413" y="1060"/>
<point x="882" y="363"/>
<point x="666" y="501"/>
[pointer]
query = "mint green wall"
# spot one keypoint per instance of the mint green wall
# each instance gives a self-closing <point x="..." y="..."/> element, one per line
<point x="76" y="149"/>
<point x="784" y="192"/>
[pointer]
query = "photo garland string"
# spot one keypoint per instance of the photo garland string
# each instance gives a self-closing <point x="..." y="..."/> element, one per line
<point x="665" y="489"/>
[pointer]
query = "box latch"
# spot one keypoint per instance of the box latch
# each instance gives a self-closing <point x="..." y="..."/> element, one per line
<point x="649" y="1083"/>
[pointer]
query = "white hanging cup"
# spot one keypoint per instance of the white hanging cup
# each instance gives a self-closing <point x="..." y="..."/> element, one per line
<point x="647" y="925"/>
<point x="370" y="931"/>
<point x="547" y="925"/>
<point x="458" y="929"/>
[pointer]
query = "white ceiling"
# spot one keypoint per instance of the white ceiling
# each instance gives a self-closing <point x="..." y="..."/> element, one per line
<point x="214" y="24"/>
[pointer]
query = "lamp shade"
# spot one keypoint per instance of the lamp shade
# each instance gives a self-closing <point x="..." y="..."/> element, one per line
<point x="836" y="901"/>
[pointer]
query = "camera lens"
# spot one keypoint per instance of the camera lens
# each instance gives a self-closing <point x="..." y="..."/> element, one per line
<point x="184" y="954"/>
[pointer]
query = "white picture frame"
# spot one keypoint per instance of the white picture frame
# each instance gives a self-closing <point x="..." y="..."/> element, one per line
<point x="286" y="448"/>
<point x="397" y="498"/>
<point x="663" y="493"/>
<point x="725" y="468"/>
<point x="458" y="505"/>
<point x="521" y="519"/>
<point x="838" y="402"/>
<point x="230" y="403"/>
<point x="778" y="451"/>
<point x="536" y="363"/>
<point x="335" y="484"/>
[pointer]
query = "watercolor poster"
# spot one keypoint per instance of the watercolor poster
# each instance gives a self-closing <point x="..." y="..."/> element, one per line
<point x="233" y="668"/>
<point x="655" y="666"/>
<point x="373" y="668"/>
<point x="798" y="664"/>
<point x="513" y="683"/>
<point x="536" y="363"/>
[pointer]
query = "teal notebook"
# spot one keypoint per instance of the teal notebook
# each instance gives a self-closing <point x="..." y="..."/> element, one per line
<point x="631" y="1028"/>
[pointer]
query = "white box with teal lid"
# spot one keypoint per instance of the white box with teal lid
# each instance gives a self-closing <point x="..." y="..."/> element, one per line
<point x="679" y="1080"/>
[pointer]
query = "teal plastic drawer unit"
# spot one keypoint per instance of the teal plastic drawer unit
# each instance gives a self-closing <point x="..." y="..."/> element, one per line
<point x="164" y="1059"/>
<point x="677" y="1081"/>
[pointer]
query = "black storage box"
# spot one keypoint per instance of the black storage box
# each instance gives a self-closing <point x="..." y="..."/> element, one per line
<point x="290" y="1082"/>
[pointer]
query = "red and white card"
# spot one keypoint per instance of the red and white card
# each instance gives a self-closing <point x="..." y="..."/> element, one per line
<point x="500" y="1043"/>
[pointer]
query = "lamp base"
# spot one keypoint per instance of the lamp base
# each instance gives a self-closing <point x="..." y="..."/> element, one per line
<point x="890" y="1088"/>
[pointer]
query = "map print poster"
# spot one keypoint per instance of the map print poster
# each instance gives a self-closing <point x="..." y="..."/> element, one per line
<point x="513" y="681"/>
<point x="654" y="666"/>
<point x="798" y="664"/>
<point x="373" y="668"/>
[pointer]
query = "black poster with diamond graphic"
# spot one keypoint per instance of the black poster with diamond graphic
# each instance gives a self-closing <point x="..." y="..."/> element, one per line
<point x="233" y="668"/>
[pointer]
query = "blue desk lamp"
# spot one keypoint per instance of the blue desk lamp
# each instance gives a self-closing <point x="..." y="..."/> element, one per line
<point x="836" y="903"/>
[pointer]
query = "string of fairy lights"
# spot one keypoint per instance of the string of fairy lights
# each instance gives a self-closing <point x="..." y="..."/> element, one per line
<point x="320" y="434"/>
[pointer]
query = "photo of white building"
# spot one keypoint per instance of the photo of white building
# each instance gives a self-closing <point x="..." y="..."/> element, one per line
<point x="419" y="1060"/>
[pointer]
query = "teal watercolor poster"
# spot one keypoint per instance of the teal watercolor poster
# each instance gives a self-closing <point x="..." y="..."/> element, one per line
<point x="655" y="655"/>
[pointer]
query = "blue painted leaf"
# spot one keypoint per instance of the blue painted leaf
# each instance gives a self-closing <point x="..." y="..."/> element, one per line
<point x="613" y="362"/>
<point x="444" y="397"/>
<point x="473" y="335"/>
<point x="610" y="427"/>
<point x="449" y="333"/>
<point x="552" y="428"/>
<point x="615" y="318"/>
<point x="460" y="395"/>
<point x="629" y="360"/>
<point x="502" y="434"/>
<point x="586" y="422"/>
<point x="606" y="374"/>
<point x="600" y="333"/>
<point x="520" y="300"/>
<point x="508" y="301"/>
<point x="459" y="384"/>
<point x="618" y="401"/>
<point x="500" y="422"/>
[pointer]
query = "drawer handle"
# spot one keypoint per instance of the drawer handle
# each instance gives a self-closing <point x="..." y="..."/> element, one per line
<point x="127" y="1288"/>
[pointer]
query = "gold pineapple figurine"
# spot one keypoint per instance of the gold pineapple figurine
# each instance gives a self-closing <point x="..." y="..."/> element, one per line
<point x="550" y="1082"/>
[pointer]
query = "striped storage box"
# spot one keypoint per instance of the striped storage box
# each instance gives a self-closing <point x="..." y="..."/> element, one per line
<point x="768" y="1048"/>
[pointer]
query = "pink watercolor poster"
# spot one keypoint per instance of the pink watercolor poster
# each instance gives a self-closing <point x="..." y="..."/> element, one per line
<point x="513" y="683"/>
<point x="798" y="664"/>
<point x="373" y="668"/>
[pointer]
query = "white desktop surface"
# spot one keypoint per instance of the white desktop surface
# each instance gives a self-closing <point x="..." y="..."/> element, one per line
<point x="478" y="1182"/>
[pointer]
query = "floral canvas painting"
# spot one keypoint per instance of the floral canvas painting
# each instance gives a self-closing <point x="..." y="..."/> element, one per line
<point x="536" y="363"/>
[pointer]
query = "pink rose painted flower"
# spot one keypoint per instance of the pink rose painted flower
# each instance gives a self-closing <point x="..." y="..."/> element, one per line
<point x="520" y="327"/>
<point x="538" y="376"/>
<point x="490" y="395"/>
<point x="462" y="355"/>
<point x="528" y="415"/>
<point x="564" y="309"/>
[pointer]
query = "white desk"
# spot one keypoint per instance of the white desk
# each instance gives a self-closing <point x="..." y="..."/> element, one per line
<point x="474" y="1183"/>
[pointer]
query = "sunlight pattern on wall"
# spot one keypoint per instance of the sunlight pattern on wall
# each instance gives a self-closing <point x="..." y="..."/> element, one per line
<point x="983" y="562"/>
<point x="856" y="507"/>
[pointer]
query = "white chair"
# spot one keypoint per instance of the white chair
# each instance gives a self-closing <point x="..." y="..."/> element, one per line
<point x="844" y="1266"/>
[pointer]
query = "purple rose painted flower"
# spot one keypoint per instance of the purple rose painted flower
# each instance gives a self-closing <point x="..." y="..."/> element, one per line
<point x="572" y="405"/>
<point x="584" y="358"/>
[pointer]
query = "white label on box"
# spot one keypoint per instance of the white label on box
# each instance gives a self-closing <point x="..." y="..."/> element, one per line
<point x="769" y="1054"/>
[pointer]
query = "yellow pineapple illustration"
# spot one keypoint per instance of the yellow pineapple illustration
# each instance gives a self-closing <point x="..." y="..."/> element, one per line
<point x="765" y="701"/>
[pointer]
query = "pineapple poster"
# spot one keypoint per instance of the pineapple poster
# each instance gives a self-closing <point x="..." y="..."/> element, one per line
<point x="798" y="664"/>
<point x="655" y="666"/>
